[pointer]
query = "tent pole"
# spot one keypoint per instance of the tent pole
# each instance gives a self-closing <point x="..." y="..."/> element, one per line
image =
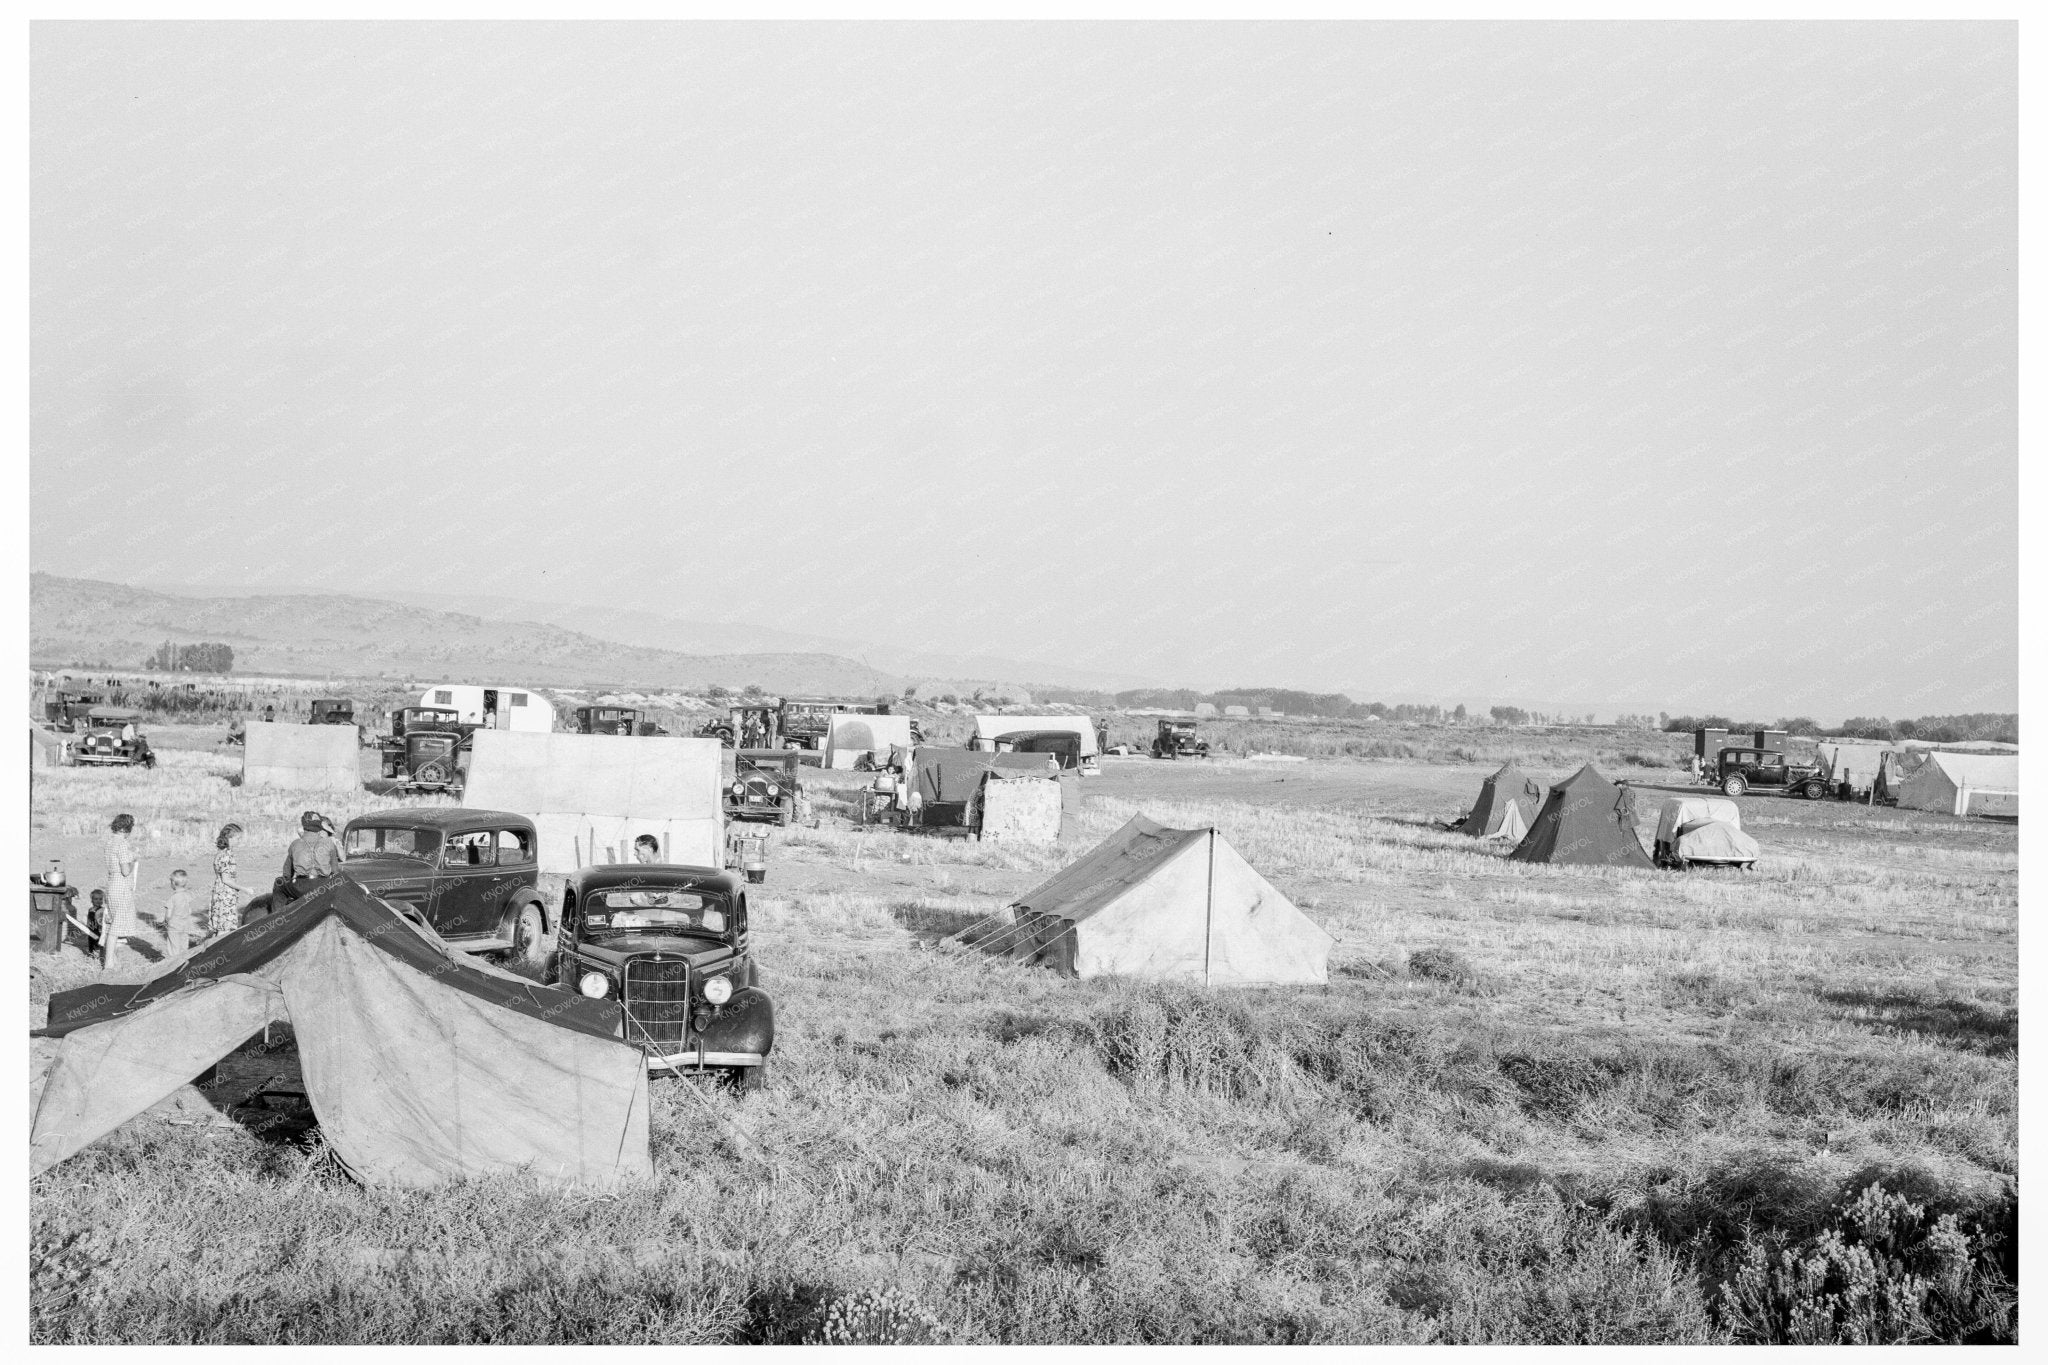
<point x="1209" y="908"/>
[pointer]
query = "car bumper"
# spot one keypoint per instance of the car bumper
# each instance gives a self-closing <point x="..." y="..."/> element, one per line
<point x="691" y="1060"/>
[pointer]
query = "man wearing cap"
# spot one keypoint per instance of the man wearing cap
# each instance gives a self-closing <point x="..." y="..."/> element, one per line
<point x="313" y="857"/>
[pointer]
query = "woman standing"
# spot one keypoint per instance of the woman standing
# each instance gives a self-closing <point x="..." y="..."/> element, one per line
<point x="121" y="864"/>
<point x="223" y="912"/>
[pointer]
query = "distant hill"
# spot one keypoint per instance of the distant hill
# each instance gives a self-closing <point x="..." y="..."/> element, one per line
<point x="77" y="620"/>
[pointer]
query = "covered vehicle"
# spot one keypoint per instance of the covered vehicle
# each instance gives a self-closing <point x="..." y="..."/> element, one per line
<point x="1702" y="829"/>
<point x="667" y="945"/>
<point x="111" y="736"/>
<point x="764" y="786"/>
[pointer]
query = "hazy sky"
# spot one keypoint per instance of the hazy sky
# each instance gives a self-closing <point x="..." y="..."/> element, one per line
<point x="1660" y="365"/>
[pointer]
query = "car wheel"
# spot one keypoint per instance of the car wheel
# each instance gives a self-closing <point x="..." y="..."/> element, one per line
<point x="751" y="1080"/>
<point x="1814" y="791"/>
<point x="529" y="937"/>
<point x="1734" y="785"/>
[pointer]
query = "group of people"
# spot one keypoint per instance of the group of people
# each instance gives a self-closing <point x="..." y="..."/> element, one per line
<point x="112" y="917"/>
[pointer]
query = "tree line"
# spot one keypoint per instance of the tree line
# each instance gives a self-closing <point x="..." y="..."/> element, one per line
<point x="1996" y="726"/>
<point x="205" y="657"/>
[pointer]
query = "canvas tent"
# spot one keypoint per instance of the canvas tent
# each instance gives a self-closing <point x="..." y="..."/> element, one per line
<point x="850" y="736"/>
<point x="591" y="796"/>
<point x="1507" y="802"/>
<point x="1963" y="784"/>
<point x="422" y="1065"/>
<point x="323" y="758"/>
<point x="942" y="780"/>
<point x="1162" y="903"/>
<point x="1586" y="821"/>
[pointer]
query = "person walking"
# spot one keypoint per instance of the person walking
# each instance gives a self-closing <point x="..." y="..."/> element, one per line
<point x="122" y="864"/>
<point x="224" y="911"/>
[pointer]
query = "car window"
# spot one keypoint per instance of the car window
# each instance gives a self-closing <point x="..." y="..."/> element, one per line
<point x="514" y="846"/>
<point x="371" y="841"/>
<point x="471" y="850"/>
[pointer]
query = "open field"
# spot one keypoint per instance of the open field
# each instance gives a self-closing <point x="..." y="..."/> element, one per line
<point x="1533" y="1104"/>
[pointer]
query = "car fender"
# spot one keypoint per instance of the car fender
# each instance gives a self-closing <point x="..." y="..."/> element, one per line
<point x="745" y="1023"/>
<point x="519" y="900"/>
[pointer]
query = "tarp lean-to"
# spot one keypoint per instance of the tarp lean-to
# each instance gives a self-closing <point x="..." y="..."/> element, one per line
<point x="422" y="1065"/>
<point x="591" y="796"/>
<point x="322" y="758"/>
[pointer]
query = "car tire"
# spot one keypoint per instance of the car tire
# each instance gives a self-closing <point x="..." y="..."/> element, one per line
<point x="1734" y="785"/>
<point x="529" y="936"/>
<point x="1813" y="791"/>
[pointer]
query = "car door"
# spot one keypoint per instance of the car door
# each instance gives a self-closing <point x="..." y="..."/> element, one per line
<point x="463" y="885"/>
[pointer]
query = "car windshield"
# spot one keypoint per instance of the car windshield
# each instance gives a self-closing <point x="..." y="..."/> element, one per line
<point x="376" y="841"/>
<point x="430" y="717"/>
<point x="653" y="908"/>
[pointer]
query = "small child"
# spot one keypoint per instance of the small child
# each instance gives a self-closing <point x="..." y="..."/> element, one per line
<point x="179" y="928"/>
<point x="96" y="921"/>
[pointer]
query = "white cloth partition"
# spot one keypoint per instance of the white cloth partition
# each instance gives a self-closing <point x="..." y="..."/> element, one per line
<point x="591" y="796"/>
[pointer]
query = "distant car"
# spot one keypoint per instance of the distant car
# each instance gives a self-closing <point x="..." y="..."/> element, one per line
<point x="669" y="944"/>
<point x="746" y="725"/>
<point x="331" y="711"/>
<point x="111" y="737"/>
<point x="764" y="786"/>
<point x="472" y="875"/>
<point x="1176" y="739"/>
<point x="614" y="720"/>
<point x="1738" y="770"/>
<point x="68" y="709"/>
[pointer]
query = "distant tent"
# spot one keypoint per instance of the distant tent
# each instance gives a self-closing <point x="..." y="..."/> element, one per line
<point x="1164" y="903"/>
<point x="1938" y="783"/>
<point x="944" y="780"/>
<point x="1585" y="821"/>
<point x="422" y="1065"/>
<point x="1507" y="802"/>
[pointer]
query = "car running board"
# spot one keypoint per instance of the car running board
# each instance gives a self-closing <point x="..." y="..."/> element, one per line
<point x="479" y="945"/>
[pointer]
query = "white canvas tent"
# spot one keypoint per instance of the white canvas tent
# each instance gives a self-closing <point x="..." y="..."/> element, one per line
<point x="323" y="758"/>
<point x="1963" y="784"/>
<point x="850" y="735"/>
<point x="1162" y="903"/>
<point x="591" y="796"/>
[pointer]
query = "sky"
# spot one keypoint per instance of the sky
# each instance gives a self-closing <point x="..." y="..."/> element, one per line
<point x="1658" y="366"/>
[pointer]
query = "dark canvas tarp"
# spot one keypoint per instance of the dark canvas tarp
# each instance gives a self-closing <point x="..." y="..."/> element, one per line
<point x="951" y="776"/>
<point x="1585" y="821"/>
<point x="422" y="1066"/>
<point x="1507" y="805"/>
<point x="1155" y="902"/>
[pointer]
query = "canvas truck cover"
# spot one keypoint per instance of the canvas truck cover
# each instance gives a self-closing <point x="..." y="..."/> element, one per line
<point x="322" y="758"/>
<point x="1680" y="812"/>
<point x="421" y="1065"/>
<point x="849" y="736"/>
<point x="1162" y="903"/>
<point x="951" y="776"/>
<point x="988" y="729"/>
<point x="591" y="796"/>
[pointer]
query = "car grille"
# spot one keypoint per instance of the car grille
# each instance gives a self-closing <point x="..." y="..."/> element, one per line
<point x="657" y="1001"/>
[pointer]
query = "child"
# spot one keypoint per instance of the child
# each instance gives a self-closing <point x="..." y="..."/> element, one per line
<point x="179" y="928"/>
<point x="96" y="921"/>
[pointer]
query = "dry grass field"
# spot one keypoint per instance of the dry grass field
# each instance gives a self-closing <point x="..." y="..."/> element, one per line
<point x="1533" y="1104"/>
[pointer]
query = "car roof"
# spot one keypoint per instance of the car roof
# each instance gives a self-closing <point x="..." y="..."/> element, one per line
<point x="440" y="817"/>
<point x="600" y="876"/>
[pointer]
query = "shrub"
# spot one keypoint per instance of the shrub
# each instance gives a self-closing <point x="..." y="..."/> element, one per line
<point x="1884" y="1272"/>
<point x="890" y="1318"/>
<point x="1439" y="964"/>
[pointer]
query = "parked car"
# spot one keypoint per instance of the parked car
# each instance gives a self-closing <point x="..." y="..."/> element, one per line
<point x="1702" y="829"/>
<point x="764" y="786"/>
<point x="68" y="709"/>
<point x="614" y="720"/>
<point x="110" y="736"/>
<point x="472" y="875"/>
<point x="1737" y="770"/>
<point x="746" y="725"/>
<point x="669" y="944"/>
<point x="1176" y="739"/>
<point x="330" y="711"/>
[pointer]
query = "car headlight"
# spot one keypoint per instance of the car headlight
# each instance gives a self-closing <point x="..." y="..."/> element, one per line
<point x="774" y="791"/>
<point x="738" y="789"/>
<point x="718" y="989"/>
<point x="597" y="985"/>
